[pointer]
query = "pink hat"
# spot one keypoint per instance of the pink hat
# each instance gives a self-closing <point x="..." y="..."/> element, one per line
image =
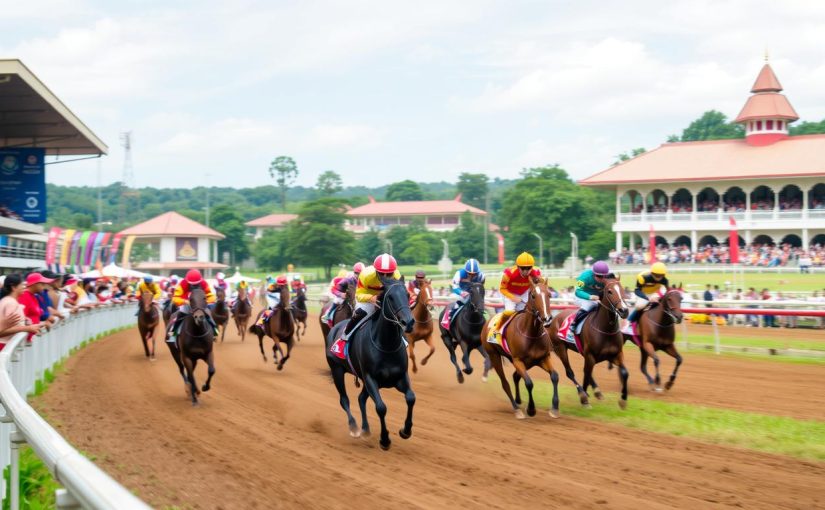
<point x="35" y="278"/>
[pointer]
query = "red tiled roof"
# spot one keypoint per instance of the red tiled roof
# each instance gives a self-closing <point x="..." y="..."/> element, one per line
<point x="271" y="220"/>
<point x="413" y="208"/>
<point x="171" y="224"/>
<point x="767" y="105"/>
<point x="795" y="156"/>
<point x="766" y="81"/>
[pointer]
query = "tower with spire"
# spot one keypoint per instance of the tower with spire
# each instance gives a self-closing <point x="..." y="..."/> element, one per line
<point x="767" y="113"/>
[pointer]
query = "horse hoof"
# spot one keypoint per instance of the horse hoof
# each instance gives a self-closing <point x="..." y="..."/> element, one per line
<point x="205" y="387"/>
<point x="424" y="361"/>
<point x="385" y="446"/>
<point x="668" y="385"/>
<point x="658" y="389"/>
<point x="355" y="433"/>
<point x="365" y="434"/>
<point x="460" y="378"/>
<point x="483" y="378"/>
<point x="554" y="413"/>
<point x="598" y="394"/>
<point x="586" y="405"/>
<point x="623" y="404"/>
<point x="519" y="414"/>
<point x="196" y="404"/>
<point x="468" y="370"/>
<point x="404" y="435"/>
<point x="531" y="411"/>
<point x="281" y="366"/>
<point x="415" y="369"/>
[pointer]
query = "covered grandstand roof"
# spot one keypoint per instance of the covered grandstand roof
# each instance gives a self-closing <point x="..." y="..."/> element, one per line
<point x="414" y="207"/>
<point x="171" y="224"/>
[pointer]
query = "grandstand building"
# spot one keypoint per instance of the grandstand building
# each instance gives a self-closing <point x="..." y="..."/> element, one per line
<point x="772" y="184"/>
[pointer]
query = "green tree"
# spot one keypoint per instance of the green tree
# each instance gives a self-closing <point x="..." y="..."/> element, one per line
<point x="627" y="156"/>
<point x="329" y="183"/>
<point x="420" y="248"/>
<point x="370" y="246"/>
<point x="467" y="240"/>
<point x="712" y="125"/>
<point x="317" y="236"/>
<point x="270" y="250"/>
<point x="226" y="220"/>
<point x="808" y="128"/>
<point x="404" y="191"/>
<point x="473" y="188"/>
<point x="598" y="244"/>
<point x="284" y="170"/>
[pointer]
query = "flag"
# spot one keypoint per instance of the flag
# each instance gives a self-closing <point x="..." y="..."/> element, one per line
<point x="114" y="248"/>
<point x="733" y="242"/>
<point x="127" y="251"/>
<point x="51" y="247"/>
<point x="652" y="243"/>
<point x="68" y="241"/>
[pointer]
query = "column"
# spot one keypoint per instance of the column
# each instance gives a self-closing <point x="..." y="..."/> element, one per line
<point x="805" y="212"/>
<point x="747" y="205"/>
<point x="747" y="237"/>
<point x="618" y="242"/>
<point x="720" y="213"/>
<point x="693" y="239"/>
<point x="644" y="207"/>
<point x="775" y="204"/>
<point x="693" y="214"/>
<point x="805" y="239"/>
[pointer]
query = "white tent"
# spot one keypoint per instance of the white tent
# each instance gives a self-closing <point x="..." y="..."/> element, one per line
<point x="114" y="271"/>
<point x="237" y="277"/>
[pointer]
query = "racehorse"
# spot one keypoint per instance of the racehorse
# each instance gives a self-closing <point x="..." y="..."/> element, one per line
<point x="601" y="339"/>
<point x="343" y="312"/>
<point x="148" y="319"/>
<point x="242" y="312"/>
<point x="195" y="342"/>
<point x="423" y="329"/>
<point x="280" y="327"/>
<point x="378" y="357"/>
<point x="529" y="346"/>
<point x="465" y="330"/>
<point x="657" y="332"/>
<point x="299" y="311"/>
<point x="169" y="308"/>
<point x="220" y="313"/>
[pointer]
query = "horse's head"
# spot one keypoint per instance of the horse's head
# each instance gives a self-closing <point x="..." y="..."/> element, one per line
<point x="301" y="292"/>
<point x="425" y="292"/>
<point x="197" y="306"/>
<point x="672" y="304"/>
<point x="613" y="297"/>
<point x="220" y="294"/>
<point x="242" y="293"/>
<point x="284" y="291"/>
<point x="395" y="304"/>
<point x="146" y="301"/>
<point x="538" y="301"/>
<point x="476" y="299"/>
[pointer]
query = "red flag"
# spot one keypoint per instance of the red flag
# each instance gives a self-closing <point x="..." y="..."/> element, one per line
<point x="500" y="247"/>
<point x="733" y="242"/>
<point x="652" y="243"/>
<point x="51" y="246"/>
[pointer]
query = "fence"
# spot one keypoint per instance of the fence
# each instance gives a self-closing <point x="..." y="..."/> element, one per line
<point x="22" y="364"/>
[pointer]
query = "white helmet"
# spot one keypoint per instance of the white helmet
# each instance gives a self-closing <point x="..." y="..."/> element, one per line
<point x="220" y="276"/>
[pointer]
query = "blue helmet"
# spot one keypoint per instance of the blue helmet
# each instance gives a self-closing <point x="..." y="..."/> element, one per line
<point x="148" y="278"/>
<point x="472" y="266"/>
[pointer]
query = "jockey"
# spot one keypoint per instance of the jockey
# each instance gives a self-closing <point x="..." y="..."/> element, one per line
<point x="650" y="285"/>
<point x="148" y="285"/>
<point x="515" y="286"/>
<point x="273" y="298"/>
<point x="414" y="287"/>
<point x="193" y="280"/>
<point x="171" y="284"/>
<point x="297" y="283"/>
<point x="339" y="287"/>
<point x="234" y="298"/>
<point x="369" y="288"/>
<point x="589" y="286"/>
<point x="463" y="278"/>
<point x="220" y="282"/>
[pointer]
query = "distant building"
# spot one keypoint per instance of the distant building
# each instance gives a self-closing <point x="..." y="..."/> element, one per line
<point x="269" y="222"/>
<point x="438" y="215"/>
<point x="177" y="244"/>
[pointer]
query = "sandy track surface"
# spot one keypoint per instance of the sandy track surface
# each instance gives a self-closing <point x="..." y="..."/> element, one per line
<point x="267" y="439"/>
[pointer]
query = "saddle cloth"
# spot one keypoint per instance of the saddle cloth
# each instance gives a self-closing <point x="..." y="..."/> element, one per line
<point x="499" y="339"/>
<point x="573" y="339"/>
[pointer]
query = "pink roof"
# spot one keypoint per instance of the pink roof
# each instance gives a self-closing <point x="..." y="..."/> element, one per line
<point x="181" y="265"/>
<point x="767" y="102"/>
<point x="795" y="156"/>
<point x="171" y="224"/>
<point x="766" y="81"/>
<point x="413" y="208"/>
<point x="271" y="220"/>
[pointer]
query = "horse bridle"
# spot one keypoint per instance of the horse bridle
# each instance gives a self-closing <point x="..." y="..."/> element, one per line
<point x="612" y="310"/>
<point x="428" y="308"/>
<point x="394" y="319"/>
<point x="668" y="311"/>
<point x="473" y="307"/>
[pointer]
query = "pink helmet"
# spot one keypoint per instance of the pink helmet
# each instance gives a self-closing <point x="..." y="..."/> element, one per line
<point x="385" y="263"/>
<point x="358" y="267"/>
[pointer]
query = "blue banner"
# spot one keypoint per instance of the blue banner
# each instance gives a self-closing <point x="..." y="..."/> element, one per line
<point x="23" y="184"/>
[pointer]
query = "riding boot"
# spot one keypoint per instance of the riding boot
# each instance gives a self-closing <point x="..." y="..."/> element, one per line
<point x="356" y="318"/>
<point x="634" y="314"/>
<point x="581" y="313"/>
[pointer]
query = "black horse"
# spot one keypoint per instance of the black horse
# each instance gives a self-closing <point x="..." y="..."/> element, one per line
<point x="465" y="330"/>
<point x="378" y="356"/>
<point x="195" y="341"/>
<point x="299" y="312"/>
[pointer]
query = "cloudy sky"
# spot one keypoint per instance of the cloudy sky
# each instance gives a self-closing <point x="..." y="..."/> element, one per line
<point x="382" y="90"/>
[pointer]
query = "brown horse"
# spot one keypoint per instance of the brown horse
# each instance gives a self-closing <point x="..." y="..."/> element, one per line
<point x="241" y="312"/>
<point x="195" y="342"/>
<point x="280" y="327"/>
<point x="148" y="320"/>
<point x="220" y="312"/>
<point x="657" y="332"/>
<point x="343" y="312"/>
<point x="300" y="312"/>
<point x="601" y="338"/>
<point x="529" y="346"/>
<point x="423" y="328"/>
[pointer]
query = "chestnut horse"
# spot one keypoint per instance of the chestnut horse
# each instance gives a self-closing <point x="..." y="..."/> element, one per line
<point x="299" y="311"/>
<point x="242" y="312"/>
<point x="280" y="328"/>
<point x="342" y="313"/>
<point x="148" y="319"/>
<point x="529" y="346"/>
<point x="657" y="332"/>
<point x="601" y="338"/>
<point x="195" y="342"/>
<point x="423" y="329"/>
<point x="220" y="312"/>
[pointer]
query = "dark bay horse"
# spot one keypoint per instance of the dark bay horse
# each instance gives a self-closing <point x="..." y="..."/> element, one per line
<point x="280" y="328"/>
<point x="423" y="328"/>
<point x="168" y="310"/>
<point x="220" y="312"/>
<point x="465" y="331"/>
<point x="529" y="345"/>
<point x="343" y="312"/>
<point x="601" y="338"/>
<point x="195" y="342"/>
<point x="148" y="320"/>
<point x="377" y="355"/>
<point x="299" y="311"/>
<point x="657" y="332"/>
<point x="242" y="312"/>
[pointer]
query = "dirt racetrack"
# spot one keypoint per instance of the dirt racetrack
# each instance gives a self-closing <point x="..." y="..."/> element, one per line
<point x="267" y="439"/>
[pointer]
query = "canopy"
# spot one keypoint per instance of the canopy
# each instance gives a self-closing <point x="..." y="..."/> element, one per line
<point x="238" y="277"/>
<point x="114" y="271"/>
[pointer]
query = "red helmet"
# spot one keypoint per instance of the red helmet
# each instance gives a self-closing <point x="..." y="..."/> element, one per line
<point x="385" y="263"/>
<point x="358" y="267"/>
<point x="194" y="277"/>
<point x="281" y="280"/>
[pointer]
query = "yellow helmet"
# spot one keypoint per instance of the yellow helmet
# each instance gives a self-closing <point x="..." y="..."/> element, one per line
<point x="658" y="268"/>
<point x="525" y="260"/>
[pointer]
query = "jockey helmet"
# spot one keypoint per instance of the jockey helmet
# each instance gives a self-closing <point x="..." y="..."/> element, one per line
<point x="281" y="280"/>
<point x="194" y="277"/>
<point x="296" y="278"/>
<point x="148" y="278"/>
<point x="270" y="279"/>
<point x="174" y="278"/>
<point x="220" y="276"/>
<point x="420" y="274"/>
<point x="471" y="266"/>
<point x="601" y="268"/>
<point x="385" y="263"/>
<point x="525" y="260"/>
<point x="658" y="268"/>
<point x="242" y="284"/>
<point x="358" y="267"/>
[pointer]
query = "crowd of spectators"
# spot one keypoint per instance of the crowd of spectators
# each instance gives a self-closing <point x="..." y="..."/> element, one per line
<point x="758" y="255"/>
<point x="730" y="205"/>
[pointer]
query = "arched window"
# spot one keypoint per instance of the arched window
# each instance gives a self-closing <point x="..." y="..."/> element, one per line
<point x="818" y="239"/>
<point x="707" y="200"/>
<point x="682" y="201"/>
<point x="656" y="201"/>
<point x="763" y="240"/>
<point x="793" y="240"/>
<point x="762" y="199"/>
<point x="741" y="241"/>
<point x="708" y="240"/>
<point x="682" y="241"/>
<point x="790" y="198"/>
<point x="631" y="202"/>
<point x="734" y="199"/>
<point x="816" y="197"/>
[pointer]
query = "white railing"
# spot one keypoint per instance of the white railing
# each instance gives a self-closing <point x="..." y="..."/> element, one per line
<point x="22" y="364"/>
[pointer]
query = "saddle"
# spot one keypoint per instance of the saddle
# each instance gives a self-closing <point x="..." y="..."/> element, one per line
<point x="497" y="333"/>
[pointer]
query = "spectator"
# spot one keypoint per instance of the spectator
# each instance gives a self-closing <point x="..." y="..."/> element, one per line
<point x="769" y="321"/>
<point x="751" y="295"/>
<point x="12" y="318"/>
<point x="708" y="297"/>
<point x="35" y="283"/>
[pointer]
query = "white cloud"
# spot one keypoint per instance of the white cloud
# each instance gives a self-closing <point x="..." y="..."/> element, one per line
<point x="343" y="136"/>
